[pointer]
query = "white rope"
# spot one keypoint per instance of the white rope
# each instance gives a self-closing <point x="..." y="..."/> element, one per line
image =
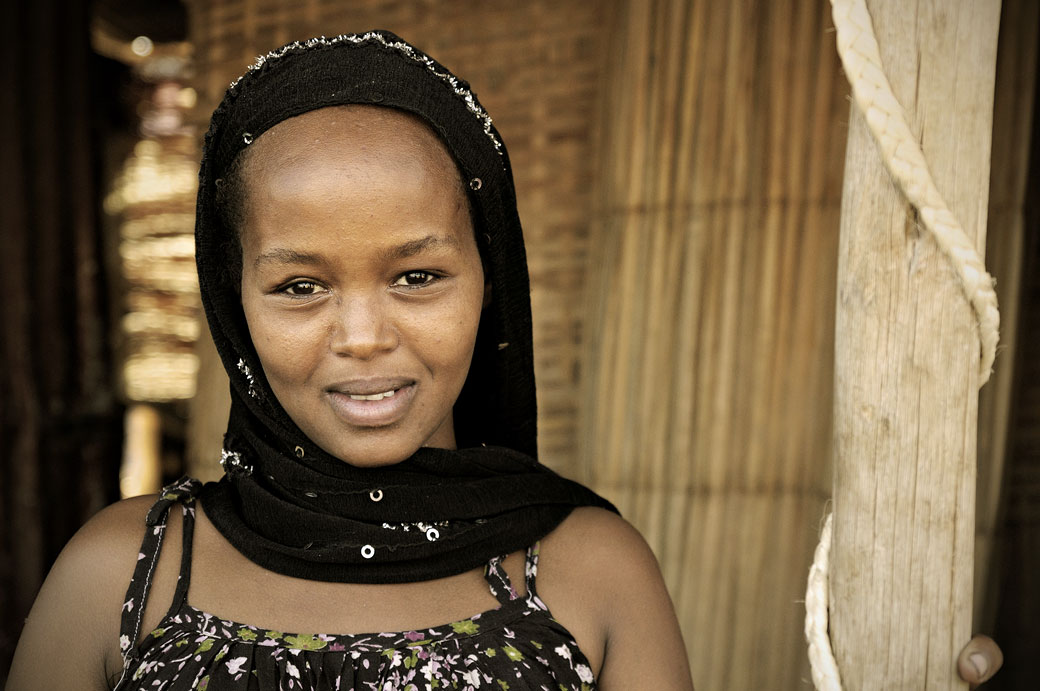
<point x="902" y="155"/>
<point x="825" y="674"/>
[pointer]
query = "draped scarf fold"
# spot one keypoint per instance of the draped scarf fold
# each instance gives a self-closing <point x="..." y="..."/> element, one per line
<point x="284" y="502"/>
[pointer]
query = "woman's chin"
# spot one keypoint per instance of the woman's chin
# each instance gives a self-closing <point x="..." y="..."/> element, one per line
<point x="373" y="458"/>
<point x="376" y="452"/>
<point x="382" y="445"/>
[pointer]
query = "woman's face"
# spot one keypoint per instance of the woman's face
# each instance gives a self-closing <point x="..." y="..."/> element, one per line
<point x="361" y="280"/>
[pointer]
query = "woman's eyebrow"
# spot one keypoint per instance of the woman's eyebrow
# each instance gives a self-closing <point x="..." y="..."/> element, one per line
<point x="281" y="255"/>
<point x="414" y="247"/>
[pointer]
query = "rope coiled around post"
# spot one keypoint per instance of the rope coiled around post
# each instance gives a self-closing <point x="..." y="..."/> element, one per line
<point x="902" y="155"/>
<point x="905" y="161"/>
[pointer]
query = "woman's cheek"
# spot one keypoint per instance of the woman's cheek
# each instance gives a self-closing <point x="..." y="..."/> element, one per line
<point x="289" y="347"/>
<point x="453" y="329"/>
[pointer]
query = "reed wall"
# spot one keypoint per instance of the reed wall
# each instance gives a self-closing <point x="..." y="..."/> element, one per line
<point x="708" y="357"/>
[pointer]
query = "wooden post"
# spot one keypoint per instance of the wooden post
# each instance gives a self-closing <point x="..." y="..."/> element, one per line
<point x="906" y="362"/>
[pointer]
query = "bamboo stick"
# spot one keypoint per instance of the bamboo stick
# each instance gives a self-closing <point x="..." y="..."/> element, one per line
<point x="906" y="361"/>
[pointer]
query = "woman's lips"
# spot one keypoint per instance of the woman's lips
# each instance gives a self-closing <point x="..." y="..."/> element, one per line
<point x="372" y="406"/>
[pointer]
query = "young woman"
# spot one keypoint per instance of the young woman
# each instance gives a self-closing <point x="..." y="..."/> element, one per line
<point x="362" y="268"/>
<point x="363" y="272"/>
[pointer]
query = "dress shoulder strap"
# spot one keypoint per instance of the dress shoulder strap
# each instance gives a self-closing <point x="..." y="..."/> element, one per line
<point x="531" y="570"/>
<point x="181" y="492"/>
<point x="498" y="579"/>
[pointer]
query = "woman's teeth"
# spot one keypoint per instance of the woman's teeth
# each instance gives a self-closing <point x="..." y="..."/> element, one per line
<point x="373" y="397"/>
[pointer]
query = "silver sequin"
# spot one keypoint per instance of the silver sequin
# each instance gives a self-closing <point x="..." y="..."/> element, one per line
<point x="401" y="47"/>
<point x="420" y="526"/>
<point x="244" y="369"/>
<point x="232" y="460"/>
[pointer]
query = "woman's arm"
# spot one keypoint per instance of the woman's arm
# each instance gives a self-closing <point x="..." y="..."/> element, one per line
<point x="600" y="579"/>
<point x="71" y="637"/>
<point x="644" y="647"/>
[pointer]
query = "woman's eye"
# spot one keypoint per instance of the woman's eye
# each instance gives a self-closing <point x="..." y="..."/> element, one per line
<point x="413" y="279"/>
<point x="302" y="288"/>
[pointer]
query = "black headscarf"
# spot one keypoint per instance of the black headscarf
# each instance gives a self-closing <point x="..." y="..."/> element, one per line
<point x="284" y="502"/>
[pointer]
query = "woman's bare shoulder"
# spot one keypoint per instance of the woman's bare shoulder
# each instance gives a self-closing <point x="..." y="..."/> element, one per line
<point x="115" y="528"/>
<point x="101" y="556"/>
<point x="80" y="603"/>
<point x="103" y="553"/>
<point x="592" y="538"/>
<point x="604" y="576"/>
<point x="572" y="561"/>
<point x="588" y="521"/>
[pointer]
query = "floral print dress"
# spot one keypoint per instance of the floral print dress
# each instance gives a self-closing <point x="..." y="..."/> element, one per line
<point x="515" y="646"/>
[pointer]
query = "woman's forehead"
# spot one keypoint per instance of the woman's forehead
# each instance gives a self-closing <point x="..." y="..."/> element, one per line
<point x="352" y="169"/>
<point x="352" y="134"/>
<point x="323" y="157"/>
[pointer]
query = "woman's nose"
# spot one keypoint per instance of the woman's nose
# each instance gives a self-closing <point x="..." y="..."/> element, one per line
<point x="362" y="328"/>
